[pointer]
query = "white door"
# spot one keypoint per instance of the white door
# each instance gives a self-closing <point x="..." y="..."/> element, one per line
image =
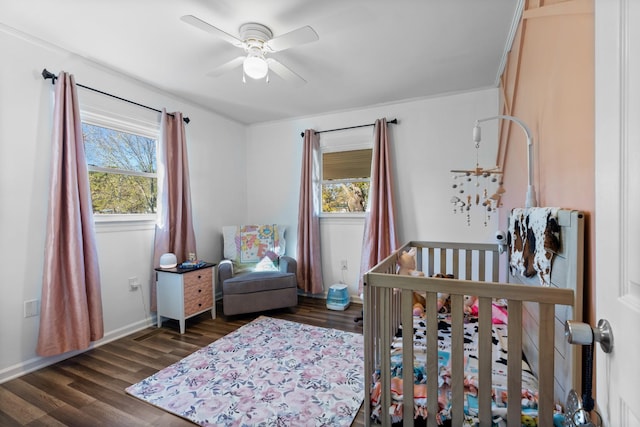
<point x="617" y="215"/>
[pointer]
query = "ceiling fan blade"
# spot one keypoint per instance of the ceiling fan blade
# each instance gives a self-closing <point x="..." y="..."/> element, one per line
<point x="227" y="66"/>
<point x="204" y="26"/>
<point x="285" y="72"/>
<point x="293" y="38"/>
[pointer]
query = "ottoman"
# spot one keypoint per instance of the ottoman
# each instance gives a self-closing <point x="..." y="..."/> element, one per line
<point x="259" y="291"/>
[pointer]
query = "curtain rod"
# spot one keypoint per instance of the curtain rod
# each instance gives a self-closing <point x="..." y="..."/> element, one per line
<point x="394" y="121"/>
<point x="49" y="75"/>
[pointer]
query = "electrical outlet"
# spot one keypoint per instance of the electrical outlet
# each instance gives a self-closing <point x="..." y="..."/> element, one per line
<point x="343" y="264"/>
<point x="134" y="283"/>
<point x="31" y="308"/>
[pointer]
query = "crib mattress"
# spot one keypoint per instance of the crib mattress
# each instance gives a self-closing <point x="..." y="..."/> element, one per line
<point x="499" y="375"/>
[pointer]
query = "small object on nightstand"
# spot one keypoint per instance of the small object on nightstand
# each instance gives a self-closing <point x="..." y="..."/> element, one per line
<point x="168" y="260"/>
<point x="192" y="264"/>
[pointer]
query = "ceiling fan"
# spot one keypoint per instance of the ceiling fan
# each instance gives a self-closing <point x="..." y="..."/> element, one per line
<point x="257" y="41"/>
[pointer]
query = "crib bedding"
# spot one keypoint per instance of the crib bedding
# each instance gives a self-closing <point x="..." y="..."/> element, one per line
<point x="499" y="375"/>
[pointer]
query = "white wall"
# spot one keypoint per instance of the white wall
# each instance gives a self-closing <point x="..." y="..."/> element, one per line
<point x="216" y="149"/>
<point x="433" y="136"/>
<point x="239" y="174"/>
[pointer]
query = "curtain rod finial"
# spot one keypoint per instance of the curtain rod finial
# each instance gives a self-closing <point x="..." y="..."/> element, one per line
<point x="46" y="74"/>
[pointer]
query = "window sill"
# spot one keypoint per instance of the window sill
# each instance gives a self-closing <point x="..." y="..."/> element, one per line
<point x="345" y="217"/>
<point x="109" y="223"/>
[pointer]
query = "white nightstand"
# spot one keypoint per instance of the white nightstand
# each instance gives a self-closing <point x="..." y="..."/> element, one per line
<point x="184" y="293"/>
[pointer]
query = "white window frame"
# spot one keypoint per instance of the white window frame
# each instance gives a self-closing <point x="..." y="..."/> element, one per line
<point x="111" y="120"/>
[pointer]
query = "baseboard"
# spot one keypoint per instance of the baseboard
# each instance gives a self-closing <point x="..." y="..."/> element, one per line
<point x="36" y="363"/>
<point x="353" y="298"/>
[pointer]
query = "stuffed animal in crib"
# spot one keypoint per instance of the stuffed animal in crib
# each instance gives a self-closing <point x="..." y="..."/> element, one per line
<point x="529" y="420"/>
<point x="499" y="315"/>
<point x="407" y="266"/>
<point x="471" y="305"/>
<point x="418" y="309"/>
<point x="443" y="298"/>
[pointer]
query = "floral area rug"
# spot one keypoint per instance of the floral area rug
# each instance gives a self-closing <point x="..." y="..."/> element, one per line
<point x="269" y="372"/>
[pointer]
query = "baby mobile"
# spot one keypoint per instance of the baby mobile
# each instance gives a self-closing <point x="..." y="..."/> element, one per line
<point x="474" y="187"/>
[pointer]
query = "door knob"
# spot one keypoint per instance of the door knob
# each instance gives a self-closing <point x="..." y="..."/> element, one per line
<point x="583" y="334"/>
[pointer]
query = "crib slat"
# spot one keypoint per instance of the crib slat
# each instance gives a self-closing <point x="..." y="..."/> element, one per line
<point x="457" y="360"/>
<point x="419" y="261"/>
<point x="407" y="357"/>
<point x="495" y="269"/>
<point x="546" y="367"/>
<point x="396" y="313"/>
<point x="431" y="262"/>
<point x="514" y="363"/>
<point x="370" y="351"/>
<point x="455" y="260"/>
<point x="468" y="258"/>
<point x="484" y="354"/>
<point x="432" y="357"/>
<point x="385" y="345"/>
<point x="481" y="266"/>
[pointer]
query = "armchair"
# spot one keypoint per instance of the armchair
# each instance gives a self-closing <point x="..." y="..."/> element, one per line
<point x="255" y="274"/>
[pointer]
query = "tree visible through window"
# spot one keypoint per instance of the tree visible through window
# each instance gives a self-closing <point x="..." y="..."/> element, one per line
<point x="345" y="180"/>
<point x="122" y="171"/>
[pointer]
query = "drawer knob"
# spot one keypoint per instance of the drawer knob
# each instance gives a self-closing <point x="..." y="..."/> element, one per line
<point x="200" y="305"/>
<point x="199" y="277"/>
<point x="199" y="290"/>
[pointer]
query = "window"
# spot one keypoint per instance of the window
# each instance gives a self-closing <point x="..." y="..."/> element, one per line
<point x="122" y="169"/>
<point x="345" y="180"/>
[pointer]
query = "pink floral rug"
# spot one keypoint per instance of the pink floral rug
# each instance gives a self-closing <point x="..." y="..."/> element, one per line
<point x="270" y="372"/>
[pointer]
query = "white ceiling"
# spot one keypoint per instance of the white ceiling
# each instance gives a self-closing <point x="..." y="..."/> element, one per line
<point x="369" y="51"/>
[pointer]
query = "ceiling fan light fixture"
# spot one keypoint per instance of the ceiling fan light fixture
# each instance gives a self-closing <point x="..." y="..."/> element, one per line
<point x="255" y="66"/>
<point x="257" y="40"/>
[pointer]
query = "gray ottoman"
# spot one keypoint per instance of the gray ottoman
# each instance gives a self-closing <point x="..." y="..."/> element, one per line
<point x="259" y="291"/>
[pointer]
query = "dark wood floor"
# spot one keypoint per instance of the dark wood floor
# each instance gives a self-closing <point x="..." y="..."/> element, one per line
<point x="88" y="390"/>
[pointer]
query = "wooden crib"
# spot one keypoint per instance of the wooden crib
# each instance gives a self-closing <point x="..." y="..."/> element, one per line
<point x="535" y="326"/>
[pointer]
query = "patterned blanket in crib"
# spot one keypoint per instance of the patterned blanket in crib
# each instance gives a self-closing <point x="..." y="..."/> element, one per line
<point x="499" y="376"/>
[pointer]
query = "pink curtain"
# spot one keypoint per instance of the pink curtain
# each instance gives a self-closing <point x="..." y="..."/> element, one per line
<point x="308" y="252"/>
<point x="174" y="230"/>
<point x="380" y="238"/>
<point x="71" y="308"/>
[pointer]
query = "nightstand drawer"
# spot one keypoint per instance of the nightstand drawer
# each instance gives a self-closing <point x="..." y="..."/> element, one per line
<point x="198" y="291"/>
